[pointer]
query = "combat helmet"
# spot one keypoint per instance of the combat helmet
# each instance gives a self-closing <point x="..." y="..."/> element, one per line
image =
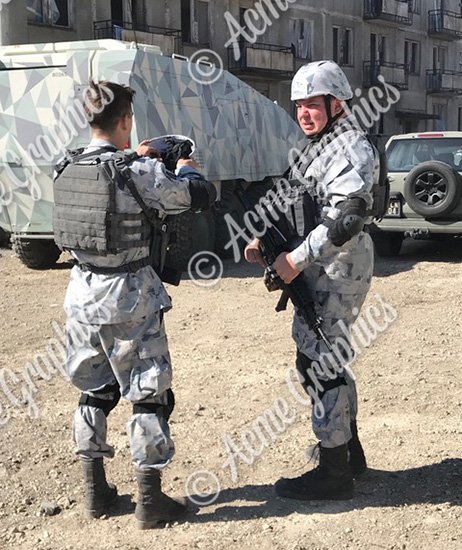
<point x="321" y="78"/>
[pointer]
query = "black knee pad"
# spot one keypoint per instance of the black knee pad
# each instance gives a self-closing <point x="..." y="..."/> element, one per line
<point x="106" y="405"/>
<point x="303" y="364"/>
<point x="157" y="408"/>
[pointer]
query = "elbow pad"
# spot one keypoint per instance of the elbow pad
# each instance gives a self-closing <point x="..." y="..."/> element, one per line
<point x="203" y="194"/>
<point x="349" y="223"/>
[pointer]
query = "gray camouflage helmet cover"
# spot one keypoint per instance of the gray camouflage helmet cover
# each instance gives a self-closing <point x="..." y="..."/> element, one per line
<point x="320" y="78"/>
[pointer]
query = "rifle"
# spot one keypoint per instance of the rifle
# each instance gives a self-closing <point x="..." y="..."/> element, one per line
<point x="274" y="241"/>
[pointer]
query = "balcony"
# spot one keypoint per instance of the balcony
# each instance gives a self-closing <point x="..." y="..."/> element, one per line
<point x="168" y="40"/>
<point x="394" y="11"/>
<point x="396" y="74"/>
<point x="445" y="24"/>
<point x="443" y="82"/>
<point x="268" y="60"/>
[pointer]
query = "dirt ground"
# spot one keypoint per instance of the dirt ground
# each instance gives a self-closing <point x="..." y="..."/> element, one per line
<point x="230" y="354"/>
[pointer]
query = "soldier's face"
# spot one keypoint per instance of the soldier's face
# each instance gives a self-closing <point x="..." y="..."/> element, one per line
<point x="311" y="114"/>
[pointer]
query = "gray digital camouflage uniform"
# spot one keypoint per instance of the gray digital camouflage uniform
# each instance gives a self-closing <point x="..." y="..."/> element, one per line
<point x="341" y="164"/>
<point x="116" y="332"/>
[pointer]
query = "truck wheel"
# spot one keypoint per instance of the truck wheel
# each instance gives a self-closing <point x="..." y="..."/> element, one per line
<point x="4" y="238"/>
<point x="36" y="253"/>
<point x="387" y="243"/>
<point x="432" y="189"/>
<point x="190" y="233"/>
<point x="228" y="205"/>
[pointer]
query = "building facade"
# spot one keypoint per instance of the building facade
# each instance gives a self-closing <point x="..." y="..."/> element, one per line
<point x="415" y="45"/>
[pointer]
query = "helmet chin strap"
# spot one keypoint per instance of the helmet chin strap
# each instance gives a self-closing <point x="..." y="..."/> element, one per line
<point x="331" y="120"/>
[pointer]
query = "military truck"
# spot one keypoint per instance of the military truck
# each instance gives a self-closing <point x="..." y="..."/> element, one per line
<point x="239" y="133"/>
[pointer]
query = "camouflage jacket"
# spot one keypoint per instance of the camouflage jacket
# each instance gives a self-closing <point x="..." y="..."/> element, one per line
<point x="341" y="165"/>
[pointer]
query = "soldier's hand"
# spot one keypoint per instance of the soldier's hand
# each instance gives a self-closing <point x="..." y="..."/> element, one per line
<point x="145" y="150"/>
<point x="187" y="162"/>
<point x="285" y="267"/>
<point x="252" y="253"/>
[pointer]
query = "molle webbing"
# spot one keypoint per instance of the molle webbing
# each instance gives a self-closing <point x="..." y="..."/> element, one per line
<point x="85" y="214"/>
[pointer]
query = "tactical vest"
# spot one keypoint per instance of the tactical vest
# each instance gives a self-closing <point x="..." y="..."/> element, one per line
<point x="85" y="215"/>
<point x="306" y="214"/>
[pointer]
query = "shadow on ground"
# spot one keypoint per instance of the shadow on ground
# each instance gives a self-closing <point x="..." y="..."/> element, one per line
<point x="416" y="251"/>
<point x="430" y="484"/>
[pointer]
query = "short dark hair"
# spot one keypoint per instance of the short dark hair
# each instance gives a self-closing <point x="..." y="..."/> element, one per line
<point x="105" y="103"/>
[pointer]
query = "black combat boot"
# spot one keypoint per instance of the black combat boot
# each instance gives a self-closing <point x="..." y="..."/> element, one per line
<point x="153" y="506"/>
<point x="357" y="460"/>
<point x="331" y="480"/>
<point x="99" y="494"/>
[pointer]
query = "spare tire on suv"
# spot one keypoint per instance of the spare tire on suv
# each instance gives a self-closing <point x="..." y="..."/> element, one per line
<point x="433" y="189"/>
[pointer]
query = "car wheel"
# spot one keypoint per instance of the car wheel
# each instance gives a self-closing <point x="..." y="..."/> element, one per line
<point x="36" y="253"/>
<point x="433" y="189"/>
<point x="387" y="243"/>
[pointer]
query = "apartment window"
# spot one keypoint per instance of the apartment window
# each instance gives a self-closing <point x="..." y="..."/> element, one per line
<point x="441" y="112"/>
<point x="138" y="14"/>
<point x="186" y="20"/>
<point x="49" y="12"/>
<point x="378" y="46"/>
<point x="412" y="56"/>
<point x="202" y="23"/>
<point x="439" y="57"/>
<point x="414" y="6"/>
<point x="342" y="45"/>
<point x="459" y="119"/>
<point x="301" y="38"/>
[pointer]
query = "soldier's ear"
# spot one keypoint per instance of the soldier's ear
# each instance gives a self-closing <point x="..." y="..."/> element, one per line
<point x="337" y="106"/>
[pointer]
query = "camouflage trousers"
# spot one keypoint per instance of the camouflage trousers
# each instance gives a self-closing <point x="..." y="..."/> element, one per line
<point x="333" y="406"/>
<point x="134" y="358"/>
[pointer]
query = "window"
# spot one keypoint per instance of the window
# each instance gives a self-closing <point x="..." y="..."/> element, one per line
<point x="439" y="58"/>
<point x="186" y="20"/>
<point x="138" y="11"/>
<point x="378" y="46"/>
<point x="414" y="6"/>
<point x="202" y="19"/>
<point x="49" y="12"/>
<point x="412" y="56"/>
<point x="342" y="45"/>
<point x="301" y="38"/>
<point x="459" y="119"/>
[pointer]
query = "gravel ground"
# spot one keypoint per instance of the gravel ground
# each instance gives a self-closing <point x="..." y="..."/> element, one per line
<point x="231" y="352"/>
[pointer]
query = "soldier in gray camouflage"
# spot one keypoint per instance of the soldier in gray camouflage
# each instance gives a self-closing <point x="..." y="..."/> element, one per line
<point x="334" y="178"/>
<point x="115" y="301"/>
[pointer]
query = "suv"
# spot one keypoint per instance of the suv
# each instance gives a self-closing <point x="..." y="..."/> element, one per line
<point x="425" y="189"/>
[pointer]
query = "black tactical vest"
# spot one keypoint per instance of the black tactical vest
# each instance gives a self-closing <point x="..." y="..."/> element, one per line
<point x="85" y="215"/>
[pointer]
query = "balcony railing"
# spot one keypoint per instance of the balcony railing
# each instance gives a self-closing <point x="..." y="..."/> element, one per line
<point x="396" y="74"/>
<point x="268" y="60"/>
<point x="441" y="81"/>
<point x="445" y="24"/>
<point x="168" y="40"/>
<point x="397" y="11"/>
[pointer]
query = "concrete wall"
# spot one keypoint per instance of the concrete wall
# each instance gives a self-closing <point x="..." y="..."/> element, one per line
<point x="14" y="29"/>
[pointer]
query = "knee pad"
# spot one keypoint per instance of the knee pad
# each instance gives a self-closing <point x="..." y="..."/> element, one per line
<point x="303" y="364"/>
<point x="106" y="405"/>
<point x="157" y="408"/>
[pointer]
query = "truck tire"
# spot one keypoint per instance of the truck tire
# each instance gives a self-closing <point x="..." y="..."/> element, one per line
<point x="387" y="243"/>
<point x="228" y="205"/>
<point x="433" y="189"/>
<point x="4" y="239"/>
<point x="36" y="253"/>
<point x="191" y="233"/>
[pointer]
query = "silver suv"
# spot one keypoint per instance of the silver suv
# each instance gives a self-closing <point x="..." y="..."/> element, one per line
<point x="425" y="189"/>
